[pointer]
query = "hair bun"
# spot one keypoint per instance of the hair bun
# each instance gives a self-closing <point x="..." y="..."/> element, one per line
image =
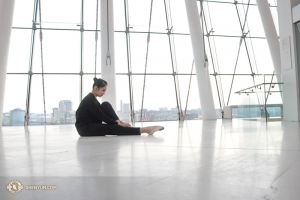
<point x="95" y="80"/>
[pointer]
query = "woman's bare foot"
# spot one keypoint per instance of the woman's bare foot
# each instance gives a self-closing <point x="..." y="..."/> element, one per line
<point x="151" y="129"/>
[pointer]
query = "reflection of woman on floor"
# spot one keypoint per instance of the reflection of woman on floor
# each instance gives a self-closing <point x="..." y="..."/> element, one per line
<point x="90" y="115"/>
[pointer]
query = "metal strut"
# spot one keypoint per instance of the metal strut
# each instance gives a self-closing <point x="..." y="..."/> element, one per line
<point x="173" y="57"/>
<point x="188" y="94"/>
<point x="126" y="12"/>
<point x="42" y="61"/>
<point x="148" y="40"/>
<point x="108" y="59"/>
<point x="27" y="115"/>
<point x="217" y="80"/>
<point x="96" y="37"/>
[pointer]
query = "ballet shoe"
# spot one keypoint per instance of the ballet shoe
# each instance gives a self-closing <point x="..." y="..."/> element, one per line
<point x="155" y="128"/>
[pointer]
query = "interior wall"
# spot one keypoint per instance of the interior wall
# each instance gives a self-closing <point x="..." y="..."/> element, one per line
<point x="288" y="60"/>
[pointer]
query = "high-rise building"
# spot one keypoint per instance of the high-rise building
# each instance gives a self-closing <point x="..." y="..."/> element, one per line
<point x="17" y="117"/>
<point x="126" y="108"/>
<point x="6" y="119"/>
<point x="55" y="115"/>
<point x="65" y="106"/>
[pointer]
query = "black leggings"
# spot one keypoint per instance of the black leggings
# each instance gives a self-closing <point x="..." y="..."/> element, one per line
<point x="99" y="129"/>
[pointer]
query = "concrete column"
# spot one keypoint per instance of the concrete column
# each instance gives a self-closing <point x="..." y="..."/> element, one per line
<point x="6" y="18"/>
<point x="108" y="52"/>
<point x="202" y="73"/>
<point x="271" y="35"/>
<point x="289" y="70"/>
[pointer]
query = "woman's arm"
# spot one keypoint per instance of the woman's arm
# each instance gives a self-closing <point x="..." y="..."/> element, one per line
<point x="124" y="124"/>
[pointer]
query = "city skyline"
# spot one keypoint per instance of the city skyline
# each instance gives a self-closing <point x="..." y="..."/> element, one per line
<point x="64" y="114"/>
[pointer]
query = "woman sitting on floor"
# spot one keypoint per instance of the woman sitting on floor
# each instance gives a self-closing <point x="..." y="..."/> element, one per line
<point x="90" y="115"/>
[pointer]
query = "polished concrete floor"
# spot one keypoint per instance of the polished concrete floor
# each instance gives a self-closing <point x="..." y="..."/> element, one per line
<point x="209" y="160"/>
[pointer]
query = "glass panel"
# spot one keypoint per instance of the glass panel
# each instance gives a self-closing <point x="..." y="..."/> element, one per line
<point x="216" y="97"/>
<point x="139" y="18"/>
<point x="179" y="17"/>
<point x="159" y="57"/>
<point x="89" y="46"/>
<point x="123" y="99"/>
<point x="190" y="100"/>
<point x="273" y="98"/>
<point x="226" y="58"/>
<point x="239" y="83"/>
<point x="23" y="13"/>
<point x="36" y="102"/>
<point x="158" y="20"/>
<point x="262" y="54"/>
<point x="243" y="63"/>
<point x="254" y="23"/>
<point x="90" y="13"/>
<point x="252" y="101"/>
<point x="241" y="10"/>
<point x="87" y="84"/>
<point x="61" y="52"/>
<point x="119" y="16"/>
<point x="61" y="103"/>
<point x="14" y="107"/>
<point x="159" y="98"/>
<point x="19" y="55"/>
<point x="222" y="24"/>
<point x="184" y="53"/>
<point x="121" y="63"/>
<point x="138" y="43"/>
<point x="61" y="14"/>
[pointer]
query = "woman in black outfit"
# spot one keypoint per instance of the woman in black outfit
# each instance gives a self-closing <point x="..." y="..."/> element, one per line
<point x="90" y="115"/>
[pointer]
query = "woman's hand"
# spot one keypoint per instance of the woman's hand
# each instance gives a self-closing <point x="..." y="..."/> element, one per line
<point x="124" y="124"/>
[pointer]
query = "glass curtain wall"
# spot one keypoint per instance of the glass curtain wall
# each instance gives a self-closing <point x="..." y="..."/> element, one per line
<point x="55" y="54"/>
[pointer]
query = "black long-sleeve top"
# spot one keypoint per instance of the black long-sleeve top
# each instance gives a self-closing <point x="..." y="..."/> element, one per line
<point x="89" y="111"/>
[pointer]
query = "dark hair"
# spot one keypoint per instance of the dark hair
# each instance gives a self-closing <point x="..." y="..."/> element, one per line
<point x="99" y="82"/>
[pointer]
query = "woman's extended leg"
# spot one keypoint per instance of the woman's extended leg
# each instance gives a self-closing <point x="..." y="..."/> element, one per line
<point x="98" y="129"/>
<point x="151" y="129"/>
<point x="108" y="110"/>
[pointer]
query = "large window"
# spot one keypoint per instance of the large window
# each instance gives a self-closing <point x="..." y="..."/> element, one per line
<point x="156" y="78"/>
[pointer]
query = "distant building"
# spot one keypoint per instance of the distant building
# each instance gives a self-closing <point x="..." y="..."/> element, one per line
<point x="163" y="109"/>
<point x="65" y="106"/>
<point x="17" y="117"/>
<point x="6" y="119"/>
<point x="126" y="108"/>
<point x="55" y="115"/>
